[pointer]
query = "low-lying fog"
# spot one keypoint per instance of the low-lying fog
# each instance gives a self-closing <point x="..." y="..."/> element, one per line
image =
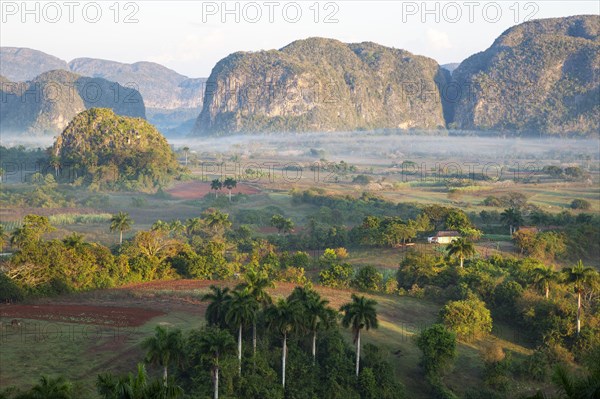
<point x="366" y="147"/>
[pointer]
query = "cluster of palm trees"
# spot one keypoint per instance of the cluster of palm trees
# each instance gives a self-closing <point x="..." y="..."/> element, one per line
<point x="303" y="312"/>
<point x="229" y="183"/>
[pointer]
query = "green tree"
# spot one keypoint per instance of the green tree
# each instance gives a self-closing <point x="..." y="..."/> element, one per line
<point x="120" y="222"/>
<point x="51" y="388"/>
<point x="282" y="224"/>
<point x="542" y="277"/>
<point x="2" y="237"/>
<point x="216" y="185"/>
<point x="217" y="308"/>
<point x="257" y="283"/>
<point x="581" y="278"/>
<point x="284" y="317"/>
<point x="230" y="183"/>
<point x="512" y="218"/>
<point x="136" y="386"/>
<point x="359" y="314"/>
<point x="438" y="346"/>
<point x="242" y="308"/>
<point x="215" y="343"/>
<point x="164" y="348"/>
<point x="468" y="318"/>
<point x="461" y="248"/>
<point x="316" y="314"/>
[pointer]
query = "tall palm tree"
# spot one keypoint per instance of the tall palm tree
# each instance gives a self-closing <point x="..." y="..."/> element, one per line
<point x="543" y="276"/>
<point x="164" y="348"/>
<point x="580" y="277"/>
<point x="359" y="314"/>
<point x="257" y="283"/>
<point x="215" y="343"/>
<point x="230" y="183"/>
<point x="461" y="248"/>
<point x="242" y="308"/>
<point x="186" y="150"/>
<point x="284" y="317"/>
<point x="216" y="185"/>
<point x="316" y="313"/>
<point x="120" y="222"/>
<point x="512" y="217"/>
<point x="217" y="308"/>
<point x="51" y="388"/>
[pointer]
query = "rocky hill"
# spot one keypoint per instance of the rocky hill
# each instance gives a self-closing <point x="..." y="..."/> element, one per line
<point x="115" y="152"/>
<point x="161" y="87"/>
<point x="538" y="77"/>
<point x="322" y="85"/>
<point x="21" y="64"/>
<point x="47" y="103"/>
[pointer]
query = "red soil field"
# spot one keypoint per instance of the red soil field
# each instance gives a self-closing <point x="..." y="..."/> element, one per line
<point x="197" y="189"/>
<point x="81" y="314"/>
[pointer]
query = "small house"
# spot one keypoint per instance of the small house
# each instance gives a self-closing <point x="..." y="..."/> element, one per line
<point x="444" y="237"/>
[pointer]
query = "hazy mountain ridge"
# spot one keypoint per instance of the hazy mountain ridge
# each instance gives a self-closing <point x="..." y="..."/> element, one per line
<point x="540" y="76"/>
<point x="22" y="64"/>
<point x="322" y="85"/>
<point x="49" y="102"/>
<point x="160" y="86"/>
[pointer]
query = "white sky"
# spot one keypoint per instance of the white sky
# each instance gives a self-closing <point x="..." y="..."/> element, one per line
<point x="183" y="36"/>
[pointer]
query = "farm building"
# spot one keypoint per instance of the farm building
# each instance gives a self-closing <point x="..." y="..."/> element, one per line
<point x="444" y="237"/>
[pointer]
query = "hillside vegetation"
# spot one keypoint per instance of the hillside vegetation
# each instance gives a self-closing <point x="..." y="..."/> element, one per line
<point x="540" y="76"/>
<point x="104" y="150"/>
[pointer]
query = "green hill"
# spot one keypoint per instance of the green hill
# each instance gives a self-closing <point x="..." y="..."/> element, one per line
<point x="540" y="76"/>
<point x="322" y="85"/>
<point x="105" y="150"/>
<point x="47" y="103"/>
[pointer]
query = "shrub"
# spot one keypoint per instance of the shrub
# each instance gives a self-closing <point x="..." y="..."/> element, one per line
<point x="580" y="204"/>
<point x="469" y="318"/>
<point x="438" y="346"/>
<point x="336" y="275"/>
<point x="367" y="278"/>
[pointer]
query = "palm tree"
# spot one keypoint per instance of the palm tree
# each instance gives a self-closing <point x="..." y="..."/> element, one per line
<point x="74" y="240"/>
<point x="242" y="308"/>
<point x="54" y="161"/>
<point x="316" y="313"/>
<point x="257" y="283"/>
<point x="359" y="314"/>
<point x="461" y="248"/>
<point x="580" y="277"/>
<point x="120" y="222"/>
<point x="216" y="185"/>
<point x="176" y="227"/>
<point x="542" y="277"/>
<point x="217" y="308"/>
<point x="230" y="183"/>
<point x="217" y="221"/>
<point x="513" y="218"/>
<point x="51" y="388"/>
<point x="284" y="317"/>
<point x="214" y="343"/>
<point x="193" y="226"/>
<point x="163" y="348"/>
<point x="185" y="152"/>
<point x="135" y="386"/>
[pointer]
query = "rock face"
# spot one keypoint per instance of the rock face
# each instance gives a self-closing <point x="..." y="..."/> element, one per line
<point x="47" y="103"/>
<point x="322" y="85"/>
<point x="21" y="64"/>
<point x="541" y="76"/>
